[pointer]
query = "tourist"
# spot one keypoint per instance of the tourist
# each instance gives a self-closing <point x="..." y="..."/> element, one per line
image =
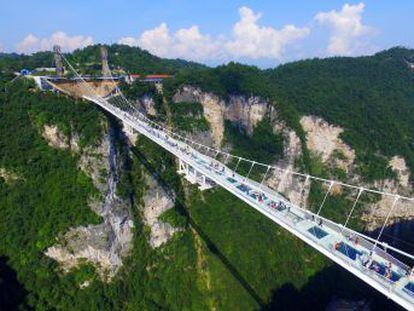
<point x="388" y="270"/>
<point x="376" y="267"/>
<point x="411" y="274"/>
<point x="356" y="242"/>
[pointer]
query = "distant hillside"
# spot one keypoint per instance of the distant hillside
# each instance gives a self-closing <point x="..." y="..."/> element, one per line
<point x="371" y="97"/>
<point x="131" y="59"/>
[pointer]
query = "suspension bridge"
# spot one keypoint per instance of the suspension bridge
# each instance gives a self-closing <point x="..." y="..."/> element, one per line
<point x="375" y="262"/>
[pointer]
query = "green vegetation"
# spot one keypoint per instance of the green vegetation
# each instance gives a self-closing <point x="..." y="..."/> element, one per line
<point x="227" y="255"/>
<point x="188" y="117"/>
<point x="370" y="97"/>
<point x="129" y="59"/>
<point x="263" y="146"/>
<point x="48" y="195"/>
<point x="16" y="62"/>
<point x="120" y="57"/>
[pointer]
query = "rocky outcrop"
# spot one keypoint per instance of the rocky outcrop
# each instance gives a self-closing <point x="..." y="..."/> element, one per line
<point x="247" y="111"/>
<point x="94" y="161"/>
<point x="283" y="181"/>
<point x="323" y="139"/>
<point x="213" y="108"/>
<point x="403" y="210"/>
<point x="156" y="202"/>
<point x="130" y="133"/>
<point x="105" y="244"/>
<point x="56" y="139"/>
<point x="376" y="213"/>
<point x="399" y="166"/>
<point x="147" y="104"/>
<point x="8" y="176"/>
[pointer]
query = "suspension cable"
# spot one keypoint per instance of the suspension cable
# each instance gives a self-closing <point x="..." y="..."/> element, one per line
<point x="326" y="196"/>
<point x="352" y="209"/>
<point x="237" y="165"/>
<point x="248" y="174"/>
<point x="397" y="197"/>
<point x="265" y="175"/>
<point x="137" y="114"/>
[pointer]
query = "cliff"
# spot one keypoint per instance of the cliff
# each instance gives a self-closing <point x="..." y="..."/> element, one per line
<point x="106" y="244"/>
<point x="323" y="140"/>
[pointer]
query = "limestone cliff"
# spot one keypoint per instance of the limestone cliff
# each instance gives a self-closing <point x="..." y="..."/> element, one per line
<point x="56" y="139"/>
<point x="247" y="111"/>
<point x="107" y="243"/>
<point x="156" y="202"/>
<point x="322" y="140"/>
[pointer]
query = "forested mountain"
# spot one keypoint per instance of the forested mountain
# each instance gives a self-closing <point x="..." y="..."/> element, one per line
<point x="131" y="59"/>
<point x="163" y="244"/>
<point x="371" y="97"/>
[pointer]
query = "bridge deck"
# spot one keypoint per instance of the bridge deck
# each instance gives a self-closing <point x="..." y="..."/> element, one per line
<point x="376" y="267"/>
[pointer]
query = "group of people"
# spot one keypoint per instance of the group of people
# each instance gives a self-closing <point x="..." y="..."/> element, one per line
<point x="366" y="260"/>
<point x="279" y="205"/>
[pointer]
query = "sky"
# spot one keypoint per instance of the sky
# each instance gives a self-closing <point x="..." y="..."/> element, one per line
<point x="264" y="33"/>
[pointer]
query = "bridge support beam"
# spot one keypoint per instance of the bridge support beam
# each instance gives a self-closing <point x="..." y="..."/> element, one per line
<point x="194" y="177"/>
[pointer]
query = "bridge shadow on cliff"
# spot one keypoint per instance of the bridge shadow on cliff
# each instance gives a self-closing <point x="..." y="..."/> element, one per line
<point x="12" y="292"/>
<point x="191" y="222"/>
<point x="335" y="283"/>
<point x="399" y="235"/>
<point x="331" y="284"/>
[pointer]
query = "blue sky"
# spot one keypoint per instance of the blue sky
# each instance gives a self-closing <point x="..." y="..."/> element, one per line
<point x="263" y="33"/>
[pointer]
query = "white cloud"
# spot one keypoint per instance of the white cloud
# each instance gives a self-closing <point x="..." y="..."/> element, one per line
<point x="248" y="39"/>
<point x="348" y="33"/>
<point x="186" y="42"/>
<point x="255" y="41"/>
<point x="1" y="47"/>
<point x="31" y="43"/>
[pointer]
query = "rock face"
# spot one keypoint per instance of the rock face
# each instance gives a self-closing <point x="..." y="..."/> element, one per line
<point x="56" y="139"/>
<point x="130" y="133"/>
<point x="377" y="212"/>
<point x="213" y="108"/>
<point x="399" y="166"/>
<point x="292" y="187"/>
<point x="323" y="139"/>
<point x="147" y="104"/>
<point x="8" y="176"/>
<point x="105" y="244"/>
<point x="248" y="111"/>
<point x="156" y="202"/>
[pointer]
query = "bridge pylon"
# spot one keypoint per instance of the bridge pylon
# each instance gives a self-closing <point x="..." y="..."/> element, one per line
<point x="195" y="177"/>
